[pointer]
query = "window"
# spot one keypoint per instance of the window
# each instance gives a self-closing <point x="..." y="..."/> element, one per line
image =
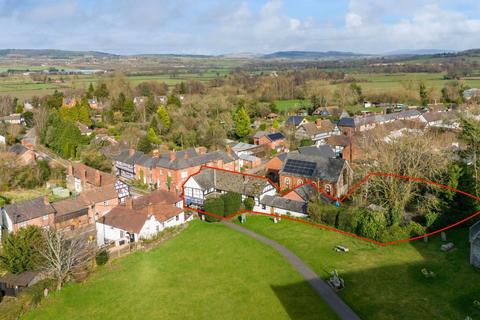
<point x="328" y="189"/>
<point x="45" y="217"/>
<point x="184" y="174"/>
<point x="105" y="203"/>
<point x="122" y="234"/>
<point x="158" y="228"/>
<point x="177" y="218"/>
<point x="287" y="181"/>
<point x="169" y="173"/>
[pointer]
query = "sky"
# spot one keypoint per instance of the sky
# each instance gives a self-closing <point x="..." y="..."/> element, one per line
<point x="232" y="26"/>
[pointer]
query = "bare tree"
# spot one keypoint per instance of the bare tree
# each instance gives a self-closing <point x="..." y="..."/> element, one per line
<point x="40" y="119"/>
<point x="63" y="257"/>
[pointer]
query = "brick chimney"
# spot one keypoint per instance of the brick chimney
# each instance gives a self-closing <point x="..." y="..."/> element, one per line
<point x="156" y="153"/>
<point x="172" y="156"/>
<point x="46" y="201"/>
<point x="318" y="122"/>
<point x="201" y="150"/>
<point x="129" y="202"/>
<point x="70" y="169"/>
<point x="131" y="152"/>
<point x="83" y="174"/>
<point x="98" y="178"/>
<point x="150" y="209"/>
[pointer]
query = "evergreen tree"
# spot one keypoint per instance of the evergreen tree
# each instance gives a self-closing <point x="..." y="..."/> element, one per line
<point x="19" y="250"/>
<point x="144" y="145"/>
<point x="152" y="137"/>
<point x="423" y="94"/>
<point x="154" y="125"/>
<point x="164" y="119"/>
<point x="242" y="123"/>
<point x="90" y="91"/>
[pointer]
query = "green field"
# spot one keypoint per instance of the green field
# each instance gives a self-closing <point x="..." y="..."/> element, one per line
<point x="207" y="272"/>
<point x="285" y="105"/>
<point x="387" y="282"/>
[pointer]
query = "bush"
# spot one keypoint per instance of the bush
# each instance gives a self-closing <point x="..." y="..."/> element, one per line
<point x="347" y="219"/>
<point x="371" y="224"/>
<point x="102" y="257"/>
<point x="249" y="203"/>
<point x="215" y="206"/>
<point x="232" y="203"/>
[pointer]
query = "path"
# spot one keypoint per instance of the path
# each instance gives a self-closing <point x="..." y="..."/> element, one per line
<point x="323" y="289"/>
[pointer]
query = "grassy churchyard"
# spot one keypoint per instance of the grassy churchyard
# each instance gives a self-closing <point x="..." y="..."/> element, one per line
<point x="207" y="272"/>
<point x="387" y="282"/>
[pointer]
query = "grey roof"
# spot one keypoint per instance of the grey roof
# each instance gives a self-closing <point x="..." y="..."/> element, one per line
<point x="247" y="185"/>
<point x="294" y="120"/>
<point x="125" y="157"/>
<point x="346" y="122"/>
<point x="284" y="203"/>
<point x="27" y="210"/>
<point x="18" y="149"/>
<point x="308" y="192"/>
<point x="320" y="151"/>
<point x="248" y="157"/>
<point x="242" y="146"/>
<point x="328" y="169"/>
<point x="378" y="118"/>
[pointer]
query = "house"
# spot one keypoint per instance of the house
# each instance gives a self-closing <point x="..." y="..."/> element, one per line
<point x="272" y="116"/>
<point x="140" y="100"/>
<point x="345" y="147"/>
<point x="445" y="119"/>
<point x="84" y="130"/>
<point x="12" y="284"/>
<point x="243" y="148"/>
<point x="321" y="111"/>
<point x="15" y="118"/>
<point x="81" y="177"/>
<point x="330" y="174"/>
<point x="273" y="167"/>
<point x="25" y="155"/>
<point x="27" y="106"/>
<point x="248" y="161"/>
<point x="474" y="237"/>
<point x="72" y="214"/>
<point x="367" y="104"/>
<point x="93" y="103"/>
<point x="140" y="218"/>
<point x="367" y="122"/>
<point x="318" y="131"/>
<point x="295" y="121"/>
<point x="37" y="212"/>
<point x="209" y="182"/>
<point x="103" y="199"/>
<point x="169" y="171"/>
<point x="69" y="102"/>
<point x="273" y="141"/>
<point x="161" y="99"/>
<point x="471" y="93"/>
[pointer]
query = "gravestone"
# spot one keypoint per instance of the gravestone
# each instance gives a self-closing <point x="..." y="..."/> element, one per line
<point x="447" y="247"/>
<point x="425" y="239"/>
<point x="444" y="236"/>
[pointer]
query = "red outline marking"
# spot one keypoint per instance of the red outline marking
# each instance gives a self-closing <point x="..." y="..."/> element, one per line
<point x="349" y="193"/>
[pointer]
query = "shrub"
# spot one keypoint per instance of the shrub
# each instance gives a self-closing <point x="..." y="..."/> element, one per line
<point x="347" y="219"/>
<point x="232" y="203"/>
<point x="215" y="206"/>
<point x="371" y="224"/>
<point x="249" y="203"/>
<point x="102" y="257"/>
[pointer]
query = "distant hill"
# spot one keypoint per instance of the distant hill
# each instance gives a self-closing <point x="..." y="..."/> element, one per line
<point x="418" y="52"/>
<point x="52" y="53"/>
<point x="313" y="55"/>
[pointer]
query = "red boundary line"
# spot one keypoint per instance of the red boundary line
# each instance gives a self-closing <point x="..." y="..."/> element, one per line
<point x="340" y="200"/>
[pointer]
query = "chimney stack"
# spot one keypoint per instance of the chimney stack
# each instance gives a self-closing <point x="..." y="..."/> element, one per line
<point x="201" y="150"/>
<point x="83" y="174"/>
<point x="46" y="201"/>
<point x="150" y="209"/>
<point x="70" y="169"/>
<point x="131" y="152"/>
<point x="98" y="178"/>
<point x="129" y="202"/>
<point x="172" y="156"/>
<point x="156" y="153"/>
<point x="318" y="122"/>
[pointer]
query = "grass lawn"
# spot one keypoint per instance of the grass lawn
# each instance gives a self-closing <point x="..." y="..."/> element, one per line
<point x="24" y="194"/>
<point x="285" y="105"/>
<point x="207" y="272"/>
<point x="386" y="282"/>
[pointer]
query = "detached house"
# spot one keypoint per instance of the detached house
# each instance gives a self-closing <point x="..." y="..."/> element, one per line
<point x="273" y="141"/>
<point x="140" y="218"/>
<point x="209" y="182"/>
<point x="332" y="175"/>
<point x="295" y="121"/>
<point x="318" y="131"/>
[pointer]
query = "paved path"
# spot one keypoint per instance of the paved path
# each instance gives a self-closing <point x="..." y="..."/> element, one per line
<point x="323" y="289"/>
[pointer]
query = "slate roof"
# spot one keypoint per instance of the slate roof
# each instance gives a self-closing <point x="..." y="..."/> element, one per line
<point x="228" y="181"/>
<point x="22" y="279"/>
<point x="193" y="160"/>
<point x="18" y="149"/>
<point x="378" y="118"/>
<point x="284" y="203"/>
<point x="294" y="120"/>
<point x="320" y="151"/>
<point x="436" y="116"/>
<point x="328" y="169"/>
<point x="27" y="210"/>
<point x="242" y="146"/>
<point x="308" y="192"/>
